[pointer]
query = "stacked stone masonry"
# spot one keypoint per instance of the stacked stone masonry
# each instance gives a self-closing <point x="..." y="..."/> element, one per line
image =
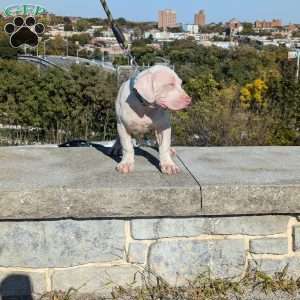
<point x="95" y="255"/>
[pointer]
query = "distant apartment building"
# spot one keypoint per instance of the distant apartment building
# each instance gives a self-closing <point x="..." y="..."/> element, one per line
<point x="167" y="19"/>
<point x="55" y="31"/>
<point x="234" y="26"/>
<point x="224" y="45"/>
<point x="165" y="36"/>
<point x="200" y="18"/>
<point x="292" y="28"/>
<point x="268" y="24"/>
<point x="192" y="28"/>
<point x="74" y="19"/>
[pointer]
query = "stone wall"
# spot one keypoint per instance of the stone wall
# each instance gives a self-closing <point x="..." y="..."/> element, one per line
<point x="95" y="255"/>
<point x="68" y="219"/>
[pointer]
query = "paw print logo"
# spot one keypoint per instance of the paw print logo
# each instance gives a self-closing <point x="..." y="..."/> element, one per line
<point x="24" y="31"/>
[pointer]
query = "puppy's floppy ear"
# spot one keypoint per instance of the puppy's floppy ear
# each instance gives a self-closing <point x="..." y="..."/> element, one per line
<point x="145" y="86"/>
<point x="177" y="79"/>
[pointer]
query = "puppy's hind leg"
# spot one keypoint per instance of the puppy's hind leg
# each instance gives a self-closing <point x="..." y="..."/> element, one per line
<point x="116" y="149"/>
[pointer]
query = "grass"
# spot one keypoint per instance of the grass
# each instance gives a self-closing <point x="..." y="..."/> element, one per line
<point x="204" y="287"/>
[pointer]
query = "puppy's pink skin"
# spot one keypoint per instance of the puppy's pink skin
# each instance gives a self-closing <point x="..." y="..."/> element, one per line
<point x="161" y="87"/>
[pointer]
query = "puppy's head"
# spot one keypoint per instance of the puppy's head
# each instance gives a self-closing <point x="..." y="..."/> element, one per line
<point x="160" y="85"/>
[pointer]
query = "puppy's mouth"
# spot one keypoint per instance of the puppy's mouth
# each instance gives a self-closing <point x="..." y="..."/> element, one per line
<point x="174" y="105"/>
<point x="162" y="105"/>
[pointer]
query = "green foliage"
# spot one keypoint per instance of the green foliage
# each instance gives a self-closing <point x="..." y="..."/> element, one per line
<point x="296" y="34"/>
<point x="55" y="20"/>
<point x="241" y="96"/>
<point x="253" y="95"/>
<point x="98" y="32"/>
<point x="144" y="54"/>
<point x="82" y="25"/>
<point x="57" y="46"/>
<point x="248" y="29"/>
<point x="120" y="61"/>
<point x="214" y="118"/>
<point x="57" y="105"/>
<point x="83" y="38"/>
<point x="121" y="21"/>
<point x="5" y="49"/>
<point x="211" y="28"/>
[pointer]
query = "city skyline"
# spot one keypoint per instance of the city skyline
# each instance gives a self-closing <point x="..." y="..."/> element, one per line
<point x="216" y="10"/>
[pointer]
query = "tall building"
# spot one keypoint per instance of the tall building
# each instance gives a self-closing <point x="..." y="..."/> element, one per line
<point x="233" y="27"/>
<point x="200" y="18"/>
<point x="268" y="24"/>
<point x="167" y="19"/>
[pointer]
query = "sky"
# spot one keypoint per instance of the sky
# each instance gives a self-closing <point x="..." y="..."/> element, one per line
<point x="143" y="10"/>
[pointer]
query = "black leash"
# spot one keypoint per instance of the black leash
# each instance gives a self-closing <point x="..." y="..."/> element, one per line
<point x="118" y="34"/>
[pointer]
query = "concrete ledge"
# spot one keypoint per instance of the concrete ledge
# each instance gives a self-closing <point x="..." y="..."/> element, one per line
<point x="53" y="183"/>
<point x="246" y="180"/>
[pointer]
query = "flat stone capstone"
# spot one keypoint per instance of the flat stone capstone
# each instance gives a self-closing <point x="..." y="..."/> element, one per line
<point x="81" y="183"/>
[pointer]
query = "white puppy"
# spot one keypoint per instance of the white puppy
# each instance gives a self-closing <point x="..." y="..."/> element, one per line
<point x="141" y="106"/>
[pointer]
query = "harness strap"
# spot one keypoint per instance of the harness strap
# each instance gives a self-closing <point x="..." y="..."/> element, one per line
<point x="135" y="91"/>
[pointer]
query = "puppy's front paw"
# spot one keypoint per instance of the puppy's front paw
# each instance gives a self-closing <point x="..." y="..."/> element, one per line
<point x="169" y="168"/>
<point x="125" y="167"/>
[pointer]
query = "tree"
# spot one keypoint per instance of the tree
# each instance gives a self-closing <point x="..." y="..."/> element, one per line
<point x="120" y="60"/>
<point x="253" y="95"/>
<point x="296" y="34"/>
<point x="212" y="28"/>
<point x="98" y="54"/>
<point x="82" y="38"/>
<point x="6" y="51"/>
<point x="121" y="21"/>
<point x="284" y="99"/>
<point x="68" y="26"/>
<point x="241" y="96"/>
<point x="98" y="32"/>
<point x="143" y="53"/>
<point x="82" y="25"/>
<point x="248" y="29"/>
<point x="57" y="46"/>
<point x="57" y="105"/>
